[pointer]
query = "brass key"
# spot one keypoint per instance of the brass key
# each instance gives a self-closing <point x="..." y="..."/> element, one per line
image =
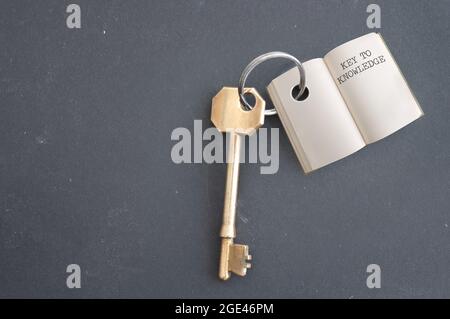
<point x="228" y="115"/>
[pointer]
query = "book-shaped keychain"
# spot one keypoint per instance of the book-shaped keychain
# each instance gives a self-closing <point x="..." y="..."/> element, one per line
<point x="354" y="96"/>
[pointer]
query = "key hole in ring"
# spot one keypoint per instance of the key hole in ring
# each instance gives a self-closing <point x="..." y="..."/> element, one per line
<point x="250" y="98"/>
<point x="296" y="90"/>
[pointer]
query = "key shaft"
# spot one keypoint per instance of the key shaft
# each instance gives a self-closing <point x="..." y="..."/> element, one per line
<point x="231" y="186"/>
<point x="228" y="230"/>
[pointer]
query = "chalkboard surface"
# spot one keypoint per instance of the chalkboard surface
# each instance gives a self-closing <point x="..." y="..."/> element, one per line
<point x="87" y="177"/>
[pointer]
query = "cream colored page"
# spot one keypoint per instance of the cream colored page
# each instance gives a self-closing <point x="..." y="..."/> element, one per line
<point x="373" y="86"/>
<point x="320" y="128"/>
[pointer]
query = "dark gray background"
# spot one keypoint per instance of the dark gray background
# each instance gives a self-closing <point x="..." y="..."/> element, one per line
<point x="87" y="177"/>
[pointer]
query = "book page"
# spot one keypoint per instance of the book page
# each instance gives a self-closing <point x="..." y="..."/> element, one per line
<point x="373" y="86"/>
<point x="320" y="128"/>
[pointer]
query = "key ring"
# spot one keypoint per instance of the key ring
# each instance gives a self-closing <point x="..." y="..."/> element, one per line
<point x="260" y="59"/>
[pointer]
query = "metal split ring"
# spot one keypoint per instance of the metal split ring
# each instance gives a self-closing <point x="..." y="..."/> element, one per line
<point x="260" y="59"/>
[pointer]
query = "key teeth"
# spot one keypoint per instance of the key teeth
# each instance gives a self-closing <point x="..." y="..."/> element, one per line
<point x="238" y="259"/>
<point x="247" y="264"/>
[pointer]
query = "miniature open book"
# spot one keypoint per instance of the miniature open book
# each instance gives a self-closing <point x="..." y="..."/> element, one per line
<point x="356" y="95"/>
